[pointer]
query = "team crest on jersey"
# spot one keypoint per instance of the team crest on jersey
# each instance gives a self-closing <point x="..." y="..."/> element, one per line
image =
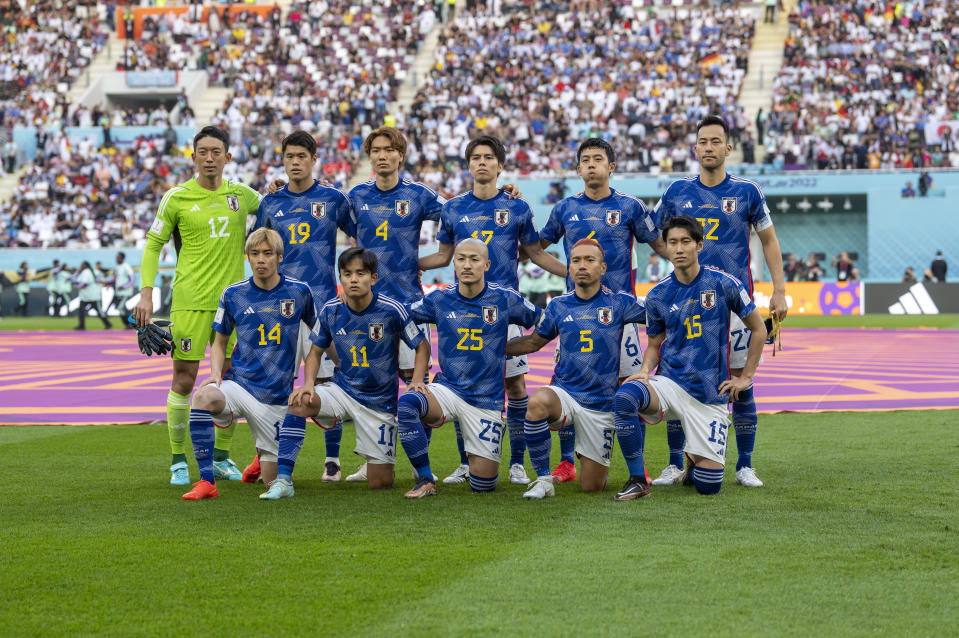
<point x="501" y="216"/>
<point x="318" y="209"/>
<point x="402" y="207"/>
<point x="286" y="308"/>
<point x="605" y="315"/>
<point x="707" y="299"/>
<point x="613" y="217"/>
<point x="729" y="205"/>
<point x="186" y="345"/>
<point x="490" y="314"/>
<point x="376" y="331"/>
<point x="233" y="202"/>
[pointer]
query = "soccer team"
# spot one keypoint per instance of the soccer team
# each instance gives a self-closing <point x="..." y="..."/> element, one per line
<point x="704" y="331"/>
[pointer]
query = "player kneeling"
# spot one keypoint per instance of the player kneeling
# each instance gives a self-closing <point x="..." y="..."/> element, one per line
<point x="363" y="335"/>
<point x="266" y="311"/>
<point x="687" y="321"/>
<point x="589" y="322"/>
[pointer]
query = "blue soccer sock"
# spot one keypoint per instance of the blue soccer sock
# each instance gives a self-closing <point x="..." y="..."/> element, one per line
<point x="482" y="483"/>
<point x="567" y="444"/>
<point x="410" y="410"/>
<point x="515" y="418"/>
<point x="744" y="422"/>
<point x="202" y="435"/>
<point x="539" y="441"/>
<point x="333" y="436"/>
<point x="292" y="433"/>
<point x="707" y="481"/>
<point x="460" y="446"/>
<point x="429" y="435"/>
<point x="676" y="440"/>
<point x="631" y="399"/>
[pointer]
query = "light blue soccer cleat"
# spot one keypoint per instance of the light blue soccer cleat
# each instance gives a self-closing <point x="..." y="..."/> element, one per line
<point x="226" y="470"/>
<point x="279" y="488"/>
<point x="179" y="474"/>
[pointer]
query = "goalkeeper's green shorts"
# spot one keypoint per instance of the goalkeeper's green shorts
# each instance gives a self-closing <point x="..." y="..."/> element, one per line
<point x="192" y="330"/>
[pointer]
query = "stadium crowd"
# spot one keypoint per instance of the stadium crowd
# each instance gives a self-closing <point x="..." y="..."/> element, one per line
<point x="545" y="77"/>
<point x="859" y="83"/>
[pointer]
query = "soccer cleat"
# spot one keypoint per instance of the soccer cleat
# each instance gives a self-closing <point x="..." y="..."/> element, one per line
<point x="359" y="476"/>
<point x="541" y="488"/>
<point x="747" y="477"/>
<point x="635" y="487"/>
<point x="201" y="490"/>
<point x="179" y="474"/>
<point x="424" y="487"/>
<point x="672" y="475"/>
<point x="517" y="474"/>
<point x="332" y="473"/>
<point x="252" y="472"/>
<point x="226" y="470"/>
<point x="564" y="472"/>
<point x="459" y="475"/>
<point x="279" y="488"/>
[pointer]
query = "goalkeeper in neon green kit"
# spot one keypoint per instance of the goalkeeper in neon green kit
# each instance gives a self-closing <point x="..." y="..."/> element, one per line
<point x="206" y="216"/>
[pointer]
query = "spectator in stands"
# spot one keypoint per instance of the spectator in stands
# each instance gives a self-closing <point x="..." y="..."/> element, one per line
<point x="793" y="269"/>
<point x="908" y="276"/>
<point x="814" y="271"/>
<point x="925" y="183"/>
<point x="843" y="265"/>
<point x="654" y="269"/>
<point x="9" y="156"/>
<point x="938" y="267"/>
<point x="908" y="190"/>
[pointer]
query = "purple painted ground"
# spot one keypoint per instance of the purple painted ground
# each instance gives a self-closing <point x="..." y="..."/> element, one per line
<point x="100" y="377"/>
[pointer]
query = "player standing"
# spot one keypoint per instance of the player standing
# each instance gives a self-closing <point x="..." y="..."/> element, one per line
<point x="615" y="220"/>
<point x="727" y="207"/>
<point x="473" y="321"/>
<point x="687" y="322"/>
<point x="589" y="322"/>
<point x="265" y="311"/>
<point x="123" y="282"/>
<point x="366" y="332"/>
<point x="307" y="215"/>
<point x="206" y="216"/>
<point x="505" y="225"/>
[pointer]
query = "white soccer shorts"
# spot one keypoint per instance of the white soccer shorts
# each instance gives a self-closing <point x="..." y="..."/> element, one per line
<point x="739" y="337"/>
<point x="482" y="429"/>
<point x="264" y="419"/>
<point x="594" y="429"/>
<point x="375" y="431"/>
<point x="706" y="425"/>
<point x="517" y="365"/>
<point x="303" y="346"/>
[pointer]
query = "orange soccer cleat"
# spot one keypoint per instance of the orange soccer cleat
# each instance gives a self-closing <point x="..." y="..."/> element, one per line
<point x="201" y="490"/>
<point x="564" y="472"/>
<point x="252" y="472"/>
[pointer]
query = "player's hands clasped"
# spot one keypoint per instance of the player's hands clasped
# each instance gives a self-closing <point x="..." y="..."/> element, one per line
<point x="734" y="386"/>
<point x="302" y="396"/>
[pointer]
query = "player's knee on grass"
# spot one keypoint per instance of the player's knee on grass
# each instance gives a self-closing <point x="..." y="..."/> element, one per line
<point x="707" y="480"/>
<point x="268" y="465"/>
<point x="379" y="475"/>
<point x="483" y="483"/>
<point x="592" y="476"/>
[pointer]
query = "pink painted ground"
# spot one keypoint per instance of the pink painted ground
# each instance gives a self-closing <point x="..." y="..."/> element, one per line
<point x="100" y="377"/>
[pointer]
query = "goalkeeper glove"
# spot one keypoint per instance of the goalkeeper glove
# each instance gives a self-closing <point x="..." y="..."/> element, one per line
<point x="153" y="338"/>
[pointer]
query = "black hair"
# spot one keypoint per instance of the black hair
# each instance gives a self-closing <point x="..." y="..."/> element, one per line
<point x="214" y="132"/>
<point x="687" y="223"/>
<point x="487" y="140"/>
<point x="300" y="138"/>
<point x="713" y="120"/>
<point x="596" y="142"/>
<point x="122" y="255"/>
<point x="366" y="257"/>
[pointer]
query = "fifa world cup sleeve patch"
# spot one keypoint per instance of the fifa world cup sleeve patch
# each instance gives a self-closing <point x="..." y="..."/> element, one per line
<point x="157" y="226"/>
<point x="411" y="331"/>
<point x="744" y="296"/>
<point x="218" y="318"/>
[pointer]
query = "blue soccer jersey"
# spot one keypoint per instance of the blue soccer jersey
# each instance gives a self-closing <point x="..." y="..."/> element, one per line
<point x="500" y="222"/>
<point x="695" y="318"/>
<point x="307" y="222"/>
<point x="472" y="338"/>
<point x="267" y="324"/>
<point x="388" y="223"/>
<point x="367" y="344"/>
<point x="726" y="211"/>
<point x="613" y="221"/>
<point x="590" y="332"/>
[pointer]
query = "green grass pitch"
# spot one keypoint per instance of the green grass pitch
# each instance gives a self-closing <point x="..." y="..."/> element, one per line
<point x="854" y="534"/>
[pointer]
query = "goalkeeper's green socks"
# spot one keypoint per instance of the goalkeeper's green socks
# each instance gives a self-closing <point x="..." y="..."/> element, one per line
<point x="177" y="416"/>
<point x="224" y="441"/>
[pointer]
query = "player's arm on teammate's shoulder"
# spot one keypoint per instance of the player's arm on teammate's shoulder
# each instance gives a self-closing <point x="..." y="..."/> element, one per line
<point x="650" y="358"/>
<point x="774" y="261"/>
<point x="217" y="359"/>
<point x="525" y="344"/>
<point x="735" y="385"/>
<point x="421" y="364"/>
<point x="659" y="246"/>
<point x="440" y="259"/>
<point x="544" y="260"/>
<point x="511" y="190"/>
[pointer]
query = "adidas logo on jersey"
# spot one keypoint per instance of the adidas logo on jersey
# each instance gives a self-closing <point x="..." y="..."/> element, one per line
<point x="278" y="213"/>
<point x="341" y="332"/>
<point x="464" y="218"/>
<point x="568" y="318"/>
<point x="673" y="308"/>
<point x="452" y="315"/>
<point x="249" y="311"/>
<point x="574" y="218"/>
<point x="364" y="207"/>
<point x="195" y="208"/>
<point x="688" y="205"/>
